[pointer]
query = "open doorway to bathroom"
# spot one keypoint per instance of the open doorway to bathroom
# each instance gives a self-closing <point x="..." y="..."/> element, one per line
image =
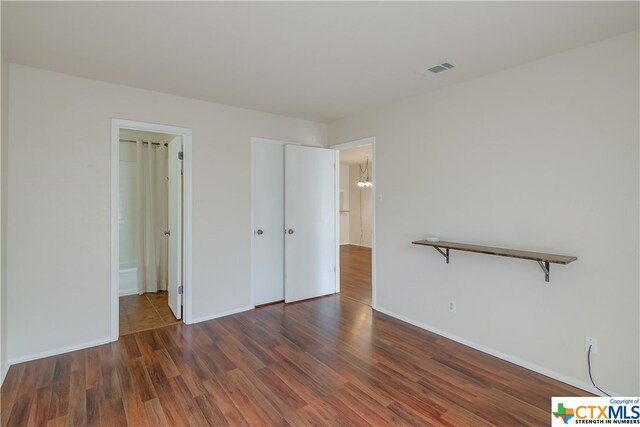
<point x="149" y="227"/>
<point x="144" y="230"/>
<point x="356" y="221"/>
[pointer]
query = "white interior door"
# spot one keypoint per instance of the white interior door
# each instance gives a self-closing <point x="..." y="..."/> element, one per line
<point x="268" y="220"/>
<point x="310" y="221"/>
<point x="174" y="284"/>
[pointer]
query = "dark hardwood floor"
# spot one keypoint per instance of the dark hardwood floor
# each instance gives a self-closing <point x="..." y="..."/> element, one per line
<point x="328" y="361"/>
<point x="355" y="273"/>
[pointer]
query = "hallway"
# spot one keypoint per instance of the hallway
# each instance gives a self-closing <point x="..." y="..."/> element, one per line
<point x="355" y="273"/>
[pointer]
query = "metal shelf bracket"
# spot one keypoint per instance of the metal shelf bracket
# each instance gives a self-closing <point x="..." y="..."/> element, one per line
<point x="446" y="255"/>
<point x="545" y="268"/>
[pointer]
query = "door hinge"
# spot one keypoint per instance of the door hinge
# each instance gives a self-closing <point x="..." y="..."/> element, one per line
<point x="180" y="290"/>
<point x="180" y="155"/>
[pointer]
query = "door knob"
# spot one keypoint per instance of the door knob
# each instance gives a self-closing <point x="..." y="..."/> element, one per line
<point x="259" y="232"/>
<point x="290" y="231"/>
<point x="167" y="233"/>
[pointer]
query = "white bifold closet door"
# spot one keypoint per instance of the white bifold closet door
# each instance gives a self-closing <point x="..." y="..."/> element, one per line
<point x="268" y="220"/>
<point x="310" y="222"/>
<point x="294" y="216"/>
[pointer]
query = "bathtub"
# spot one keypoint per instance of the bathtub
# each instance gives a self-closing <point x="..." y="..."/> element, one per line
<point x="128" y="280"/>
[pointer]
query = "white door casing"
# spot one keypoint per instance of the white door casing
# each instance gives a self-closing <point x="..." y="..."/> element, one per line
<point x="268" y="222"/>
<point x="310" y="222"/>
<point x="187" y="143"/>
<point x="175" y="227"/>
<point x="376" y="198"/>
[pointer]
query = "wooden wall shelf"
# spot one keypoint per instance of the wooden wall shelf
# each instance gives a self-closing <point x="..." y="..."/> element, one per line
<point x="543" y="259"/>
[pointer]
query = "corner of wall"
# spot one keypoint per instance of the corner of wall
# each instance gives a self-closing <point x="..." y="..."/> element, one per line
<point x="4" y="137"/>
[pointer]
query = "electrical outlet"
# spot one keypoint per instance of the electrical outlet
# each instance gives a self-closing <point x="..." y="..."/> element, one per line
<point x="590" y="341"/>
<point x="452" y="305"/>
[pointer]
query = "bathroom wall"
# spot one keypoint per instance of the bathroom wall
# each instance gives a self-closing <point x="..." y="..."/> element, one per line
<point x="127" y="215"/>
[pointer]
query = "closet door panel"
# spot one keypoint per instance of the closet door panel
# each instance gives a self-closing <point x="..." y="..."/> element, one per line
<point x="268" y="220"/>
<point x="310" y="222"/>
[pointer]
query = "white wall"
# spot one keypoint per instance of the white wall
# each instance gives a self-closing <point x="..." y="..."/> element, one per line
<point x="540" y="157"/>
<point x="359" y="219"/>
<point x="59" y="202"/>
<point x="3" y="217"/>
<point x="344" y="216"/>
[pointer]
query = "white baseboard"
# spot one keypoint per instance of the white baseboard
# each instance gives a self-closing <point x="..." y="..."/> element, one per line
<point x="3" y="372"/>
<point x="57" y="351"/>
<point x="356" y="244"/>
<point x="127" y="292"/>
<point x="509" y="358"/>
<point x="222" y="314"/>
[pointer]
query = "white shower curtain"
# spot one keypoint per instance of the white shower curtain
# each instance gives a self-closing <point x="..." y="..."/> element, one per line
<point x="151" y="243"/>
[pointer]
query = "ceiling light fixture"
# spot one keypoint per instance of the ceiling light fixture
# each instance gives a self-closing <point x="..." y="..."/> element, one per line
<point x="366" y="183"/>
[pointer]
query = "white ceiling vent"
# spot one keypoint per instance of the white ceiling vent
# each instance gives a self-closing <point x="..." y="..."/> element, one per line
<point x="437" y="69"/>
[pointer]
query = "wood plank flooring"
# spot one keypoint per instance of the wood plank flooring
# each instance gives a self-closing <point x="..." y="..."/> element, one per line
<point x="143" y="312"/>
<point x="355" y="273"/>
<point x="328" y="361"/>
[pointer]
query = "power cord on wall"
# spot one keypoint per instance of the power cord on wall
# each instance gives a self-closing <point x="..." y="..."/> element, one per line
<point x="361" y="227"/>
<point x="590" y="376"/>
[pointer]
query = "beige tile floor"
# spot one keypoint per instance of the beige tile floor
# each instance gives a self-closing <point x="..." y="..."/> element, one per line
<point x="142" y="312"/>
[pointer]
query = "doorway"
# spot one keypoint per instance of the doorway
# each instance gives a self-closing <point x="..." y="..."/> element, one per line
<point x="151" y="226"/>
<point x="356" y="213"/>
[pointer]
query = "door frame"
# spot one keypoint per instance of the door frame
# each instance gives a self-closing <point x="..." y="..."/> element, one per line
<point x="374" y="202"/>
<point x="116" y="125"/>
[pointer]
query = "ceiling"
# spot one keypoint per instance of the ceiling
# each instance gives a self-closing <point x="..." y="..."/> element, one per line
<point x="314" y="60"/>
<point x="357" y="155"/>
